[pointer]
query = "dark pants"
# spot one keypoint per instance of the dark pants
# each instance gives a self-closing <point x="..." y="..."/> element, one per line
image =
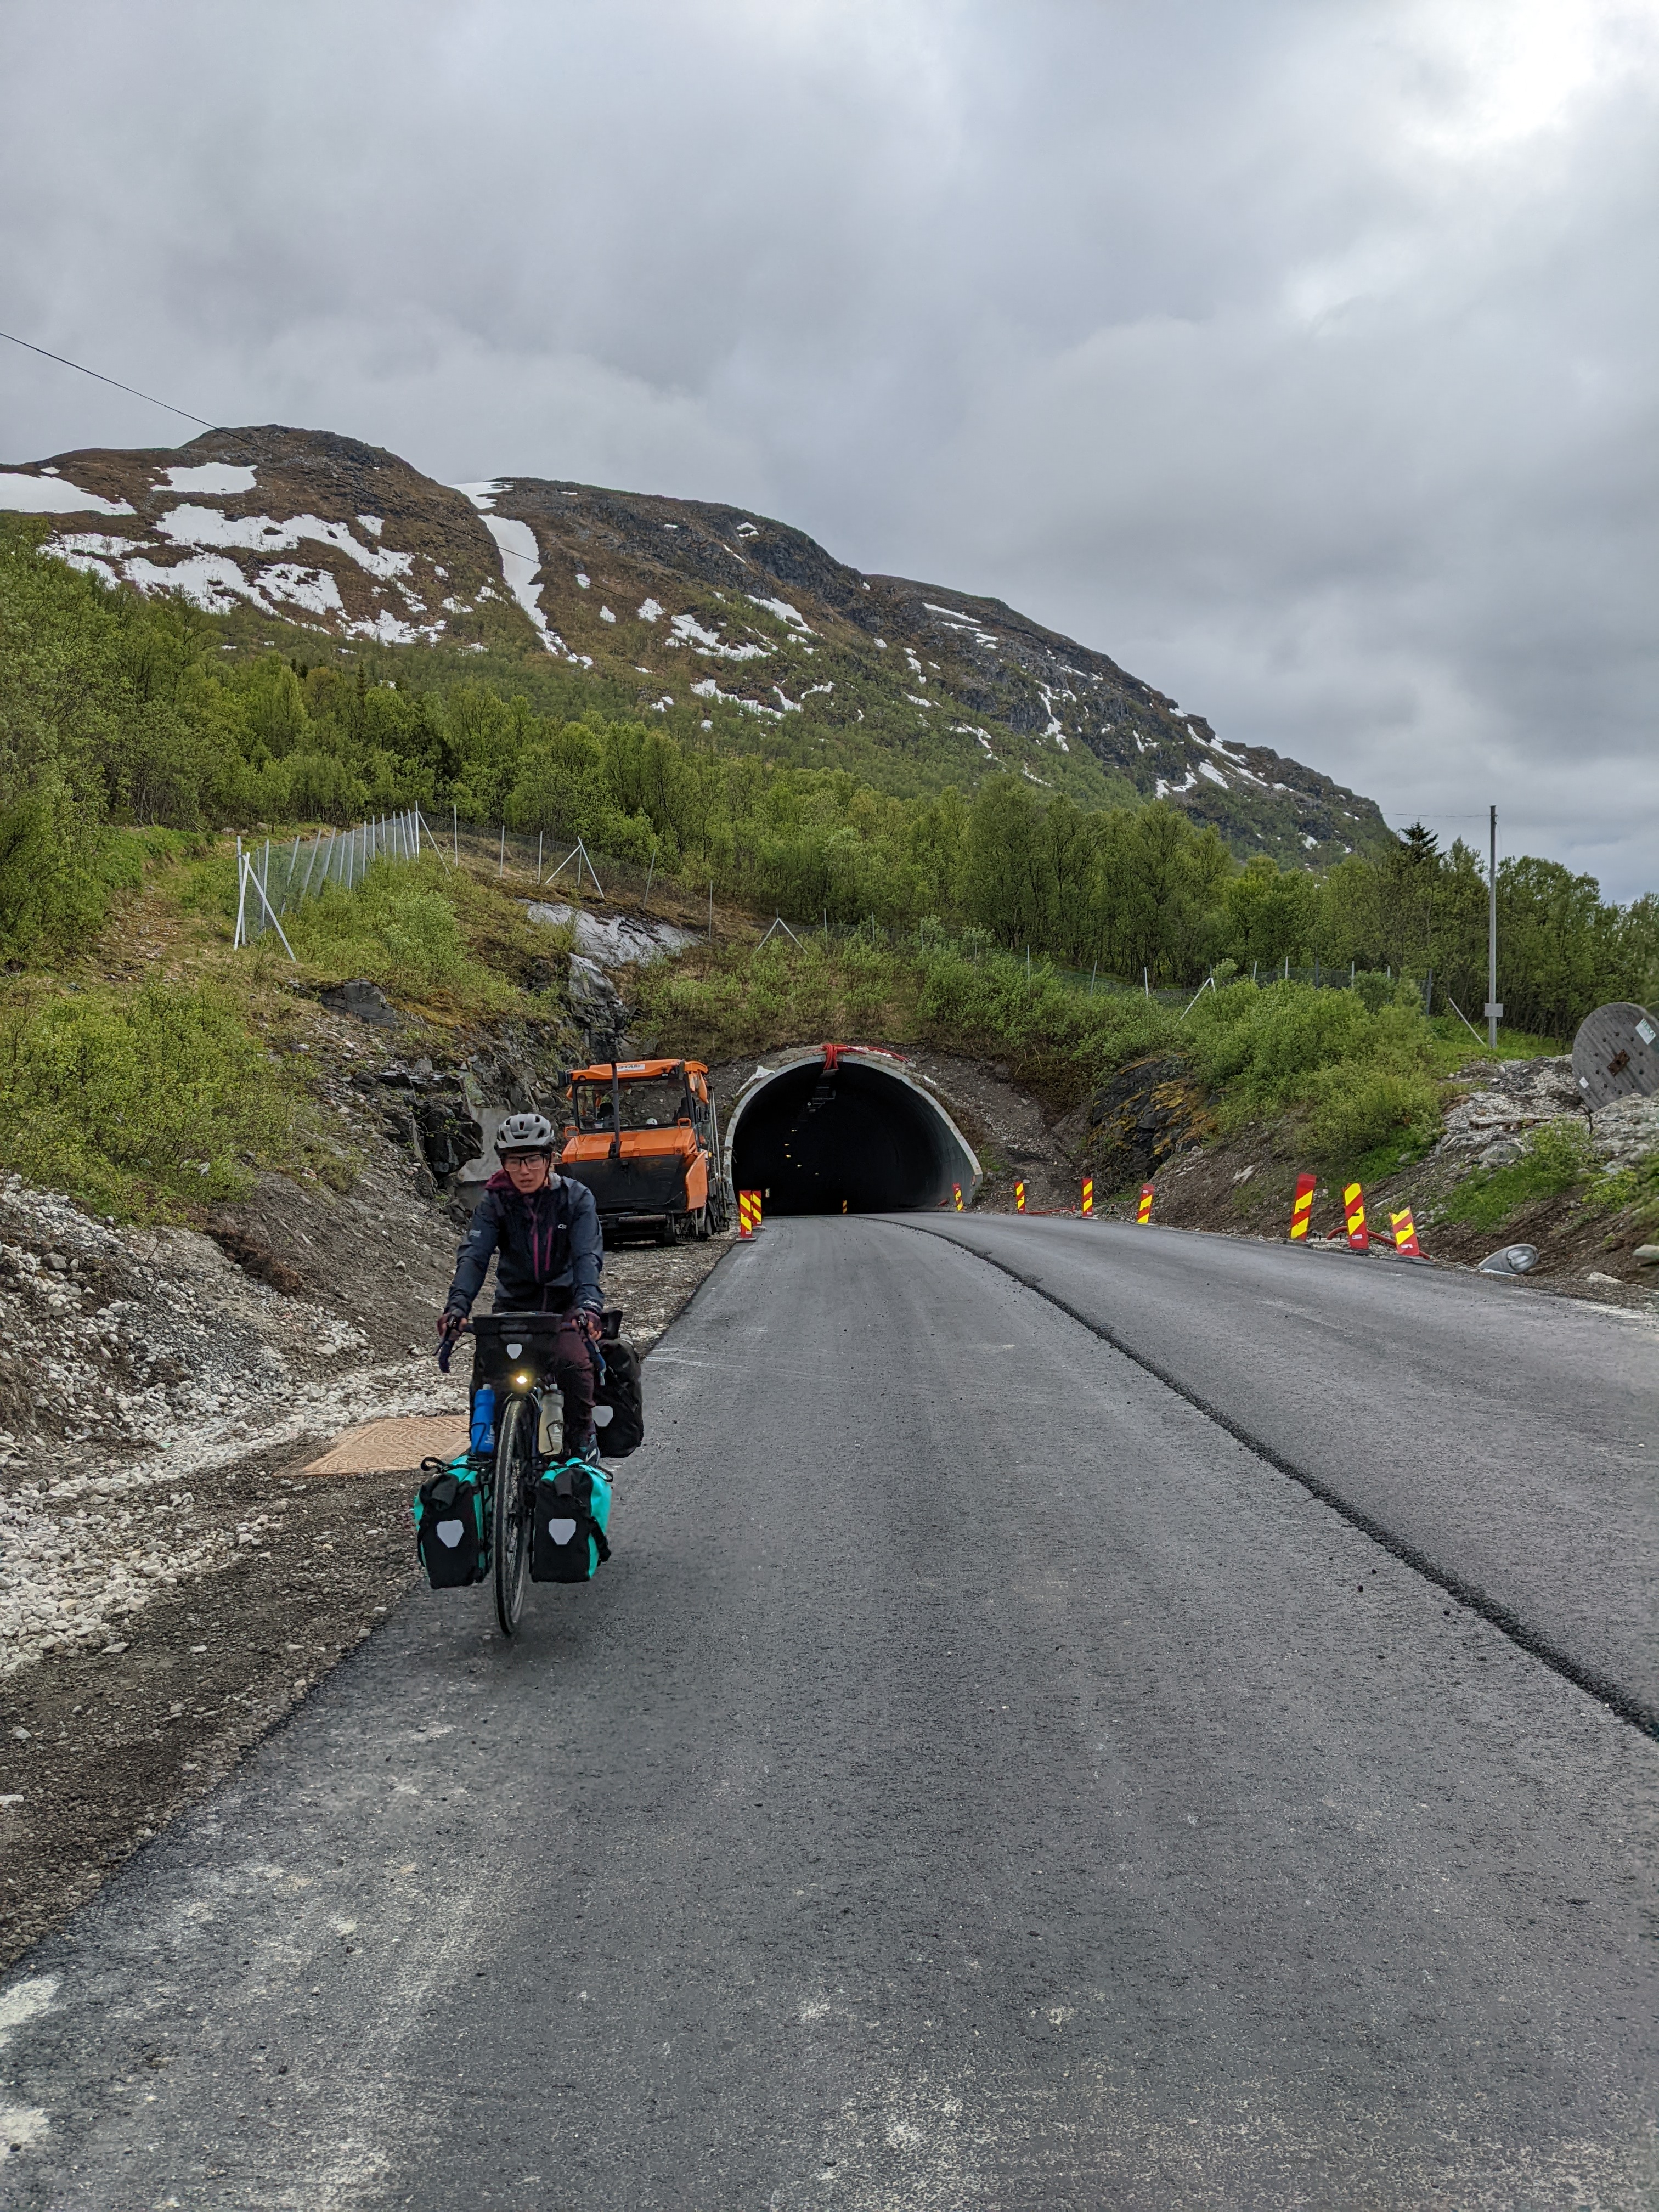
<point x="572" y="1371"/>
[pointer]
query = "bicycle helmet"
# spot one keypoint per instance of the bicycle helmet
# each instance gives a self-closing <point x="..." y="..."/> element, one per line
<point x="524" y="1133"/>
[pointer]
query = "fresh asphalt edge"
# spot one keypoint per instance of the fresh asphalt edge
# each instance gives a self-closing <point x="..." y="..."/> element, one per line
<point x="1626" y="1704"/>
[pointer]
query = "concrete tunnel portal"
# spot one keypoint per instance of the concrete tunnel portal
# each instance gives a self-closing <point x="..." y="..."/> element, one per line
<point x="847" y="1131"/>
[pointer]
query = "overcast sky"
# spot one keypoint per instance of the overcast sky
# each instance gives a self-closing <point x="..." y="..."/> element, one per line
<point x="1300" y="356"/>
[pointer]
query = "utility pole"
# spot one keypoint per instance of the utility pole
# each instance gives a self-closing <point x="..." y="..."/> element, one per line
<point x="1493" y="1009"/>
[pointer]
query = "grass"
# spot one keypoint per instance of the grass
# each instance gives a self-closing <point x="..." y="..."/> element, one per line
<point x="158" y="1099"/>
<point x="436" y="939"/>
<point x="1636" y="1188"/>
<point x="1557" y="1158"/>
<point x="147" y="1105"/>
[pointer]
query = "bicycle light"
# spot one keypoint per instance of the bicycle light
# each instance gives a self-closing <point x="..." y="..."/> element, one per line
<point x="521" y="1382"/>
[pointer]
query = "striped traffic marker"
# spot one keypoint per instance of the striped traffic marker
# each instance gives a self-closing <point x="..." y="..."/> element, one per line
<point x="1088" y="1193"/>
<point x="1305" y="1187"/>
<point x="749" y="1212"/>
<point x="956" y="1188"/>
<point x="1405" y="1233"/>
<point x="1353" y="1206"/>
<point x="1019" y="1198"/>
<point x="1144" y="1204"/>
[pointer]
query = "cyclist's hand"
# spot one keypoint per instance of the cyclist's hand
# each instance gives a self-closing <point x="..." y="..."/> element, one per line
<point x="450" y="1326"/>
<point x="589" y="1322"/>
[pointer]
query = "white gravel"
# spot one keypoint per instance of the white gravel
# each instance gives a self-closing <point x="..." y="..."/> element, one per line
<point x="132" y="1363"/>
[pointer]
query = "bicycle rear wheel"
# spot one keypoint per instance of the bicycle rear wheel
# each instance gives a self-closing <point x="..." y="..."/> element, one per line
<point x="515" y="1474"/>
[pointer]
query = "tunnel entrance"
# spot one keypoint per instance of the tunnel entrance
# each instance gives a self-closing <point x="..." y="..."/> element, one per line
<point x="842" y="1132"/>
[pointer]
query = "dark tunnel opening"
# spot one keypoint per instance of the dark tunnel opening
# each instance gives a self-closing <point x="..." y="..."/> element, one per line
<point x="849" y="1138"/>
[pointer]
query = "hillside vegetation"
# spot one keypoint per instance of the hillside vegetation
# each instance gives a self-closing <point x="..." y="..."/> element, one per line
<point x="1356" y="1070"/>
<point x="116" y="710"/>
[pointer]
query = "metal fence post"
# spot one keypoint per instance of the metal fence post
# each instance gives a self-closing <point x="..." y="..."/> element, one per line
<point x="240" y="936"/>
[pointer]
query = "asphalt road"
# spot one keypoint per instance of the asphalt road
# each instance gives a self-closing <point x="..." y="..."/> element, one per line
<point x="978" y="1780"/>
<point x="1507" y="1438"/>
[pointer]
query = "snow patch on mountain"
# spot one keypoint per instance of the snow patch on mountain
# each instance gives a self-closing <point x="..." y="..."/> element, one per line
<point x="259" y="534"/>
<point x="686" y="629"/>
<point x="522" y="568"/>
<point x="785" y="613"/>
<point x="25" y="494"/>
<point x="214" y="479"/>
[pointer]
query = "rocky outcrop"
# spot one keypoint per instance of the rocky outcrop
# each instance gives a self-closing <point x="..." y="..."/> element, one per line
<point x="1151" y="1110"/>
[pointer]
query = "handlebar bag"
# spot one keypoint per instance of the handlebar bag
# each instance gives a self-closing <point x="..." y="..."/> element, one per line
<point x="573" y="1510"/>
<point x="450" y="1526"/>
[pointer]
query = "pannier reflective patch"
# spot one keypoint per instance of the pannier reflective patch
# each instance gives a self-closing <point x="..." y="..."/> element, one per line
<point x="450" y="1533"/>
<point x="602" y="1415"/>
<point x="513" y="1351"/>
<point x="560" y="1531"/>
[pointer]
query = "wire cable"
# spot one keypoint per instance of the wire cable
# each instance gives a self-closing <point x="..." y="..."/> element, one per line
<point x="116" y="381"/>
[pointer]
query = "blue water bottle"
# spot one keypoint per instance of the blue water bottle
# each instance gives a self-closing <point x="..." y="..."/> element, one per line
<point x="484" y="1418"/>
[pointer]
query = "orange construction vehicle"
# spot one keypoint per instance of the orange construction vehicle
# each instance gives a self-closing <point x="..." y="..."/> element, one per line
<point x="646" y="1139"/>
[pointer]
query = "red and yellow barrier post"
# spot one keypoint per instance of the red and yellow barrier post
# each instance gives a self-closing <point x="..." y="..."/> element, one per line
<point x="1019" y="1198"/>
<point x="1088" y="1193"/>
<point x="1300" y="1212"/>
<point x="1405" y="1234"/>
<point x="956" y="1191"/>
<point x="1353" y="1206"/>
<point x="749" y="1212"/>
<point x="1144" y="1204"/>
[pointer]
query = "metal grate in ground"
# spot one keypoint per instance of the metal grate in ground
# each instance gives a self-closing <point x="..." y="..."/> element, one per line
<point x="393" y="1447"/>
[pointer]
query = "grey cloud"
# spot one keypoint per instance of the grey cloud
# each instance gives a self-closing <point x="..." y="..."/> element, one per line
<point x="1300" y="358"/>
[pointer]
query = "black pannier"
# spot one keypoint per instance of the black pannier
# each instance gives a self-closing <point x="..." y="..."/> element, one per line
<point x="568" y="1539"/>
<point x="450" y="1525"/>
<point x="618" y="1398"/>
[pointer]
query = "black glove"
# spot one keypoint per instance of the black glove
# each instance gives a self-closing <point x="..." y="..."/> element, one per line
<point x="450" y="1326"/>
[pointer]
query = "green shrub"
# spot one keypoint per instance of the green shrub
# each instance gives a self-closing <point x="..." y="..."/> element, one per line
<point x="1363" y="1077"/>
<point x="1360" y="1111"/>
<point x="54" y="880"/>
<point x="1636" y="1187"/>
<point x="1558" y="1155"/>
<point x="146" y="1105"/>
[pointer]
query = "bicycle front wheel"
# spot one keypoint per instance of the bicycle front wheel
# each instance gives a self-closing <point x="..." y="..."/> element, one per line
<point x="515" y="1476"/>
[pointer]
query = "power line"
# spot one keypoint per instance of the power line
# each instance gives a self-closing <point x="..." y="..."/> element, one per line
<point x="113" y="380"/>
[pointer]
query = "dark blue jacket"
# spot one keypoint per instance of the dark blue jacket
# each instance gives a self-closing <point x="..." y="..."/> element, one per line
<point x="549" y="1249"/>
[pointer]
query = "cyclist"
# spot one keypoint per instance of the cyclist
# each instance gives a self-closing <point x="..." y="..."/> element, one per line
<point x="543" y="1230"/>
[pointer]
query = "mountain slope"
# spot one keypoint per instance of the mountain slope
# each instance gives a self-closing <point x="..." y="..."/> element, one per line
<point x="714" y="618"/>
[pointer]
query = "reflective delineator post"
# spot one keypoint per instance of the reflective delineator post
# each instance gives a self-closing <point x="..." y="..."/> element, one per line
<point x="1405" y="1234"/>
<point x="1019" y="1198"/>
<point x="1144" y="1204"/>
<point x="1305" y="1187"/>
<point x="1354" y="1205"/>
<point x="748" y="1213"/>
<point x="955" y="1188"/>
<point x="1088" y="1193"/>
